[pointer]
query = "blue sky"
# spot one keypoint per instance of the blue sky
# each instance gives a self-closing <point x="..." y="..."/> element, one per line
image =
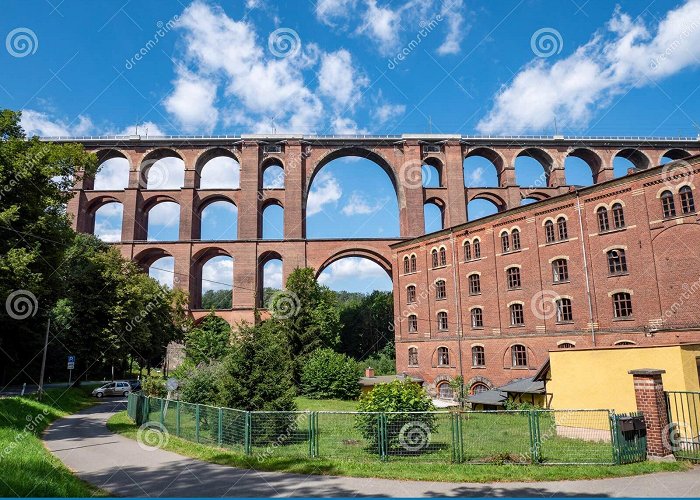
<point x="349" y="66"/>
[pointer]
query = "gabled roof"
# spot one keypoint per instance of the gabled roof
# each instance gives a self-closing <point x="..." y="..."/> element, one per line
<point x="524" y="386"/>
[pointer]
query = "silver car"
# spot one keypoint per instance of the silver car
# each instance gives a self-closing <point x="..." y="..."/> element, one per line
<point x="118" y="388"/>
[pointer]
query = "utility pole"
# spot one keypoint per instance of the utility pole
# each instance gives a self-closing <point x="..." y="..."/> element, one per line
<point x="43" y="360"/>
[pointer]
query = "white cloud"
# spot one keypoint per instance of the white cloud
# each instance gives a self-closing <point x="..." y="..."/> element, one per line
<point x="325" y="191"/>
<point x="145" y="129"/>
<point x="166" y="173"/>
<point x="273" y="274"/>
<point x="217" y="274"/>
<point x="452" y="11"/>
<point x="192" y="102"/>
<point x="355" y="270"/>
<point x="221" y="172"/>
<point x="108" y="222"/>
<point x="113" y="174"/>
<point x="166" y="214"/>
<point x="623" y="56"/>
<point x="358" y="204"/>
<point x="38" y="123"/>
<point x="163" y="271"/>
<point x="328" y="10"/>
<point x="387" y="112"/>
<point x="273" y="177"/>
<point x="475" y="177"/>
<point x="339" y="80"/>
<point x="346" y="126"/>
<point x="383" y="25"/>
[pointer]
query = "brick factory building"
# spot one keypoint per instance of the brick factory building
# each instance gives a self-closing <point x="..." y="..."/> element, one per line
<point x="611" y="264"/>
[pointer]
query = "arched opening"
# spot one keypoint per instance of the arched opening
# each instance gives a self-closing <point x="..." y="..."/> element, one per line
<point x="352" y="194"/>
<point x="482" y="168"/>
<point x="581" y="167"/>
<point x="219" y="221"/>
<point x="272" y="218"/>
<point x="482" y="207"/>
<point x="162" y="169"/>
<point x="355" y="274"/>
<point x="163" y="222"/>
<point x="216" y="282"/>
<point x="532" y="167"/>
<point x="273" y="175"/>
<point x="219" y="170"/>
<point x="627" y="159"/>
<point x="434" y="216"/>
<point x="112" y="174"/>
<point x="672" y="155"/>
<point x="108" y="222"/>
<point x="270" y="277"/>
<point x="431" y="173"/>
<point x="163" y="271"/>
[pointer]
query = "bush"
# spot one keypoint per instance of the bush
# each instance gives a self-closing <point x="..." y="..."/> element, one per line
<point x="406" y="433"/>
<point x="328" y="374"/>
<point x="154" y="387"/>
<point x="383" y="362"/>
<point x="205" y="385"/>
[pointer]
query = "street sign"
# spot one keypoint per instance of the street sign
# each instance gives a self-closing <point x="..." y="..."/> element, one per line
<point x="71" y="362"/>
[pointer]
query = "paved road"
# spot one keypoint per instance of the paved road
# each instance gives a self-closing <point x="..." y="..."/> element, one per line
<point x="120" y="466"/>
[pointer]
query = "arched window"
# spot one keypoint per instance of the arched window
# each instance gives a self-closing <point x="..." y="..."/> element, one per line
<point x="434" y="254"/>
<point x="477" y="249"/>
<point x="513" y="275"/>
<point x="561" y="229"/>
<point x="474" y="284"/>
<point x="406" y="265"/>
<point x="564" y="312"/>
<point x="515" y="239"/>
<point x="566" y="345"/>
<point x="624" y="342"/>
<point x="411" y="294"/>
<point x="445" y="391"/>
<point x="467" y="251"/>
<point x="517" y="318"/>
<point x="687" y="202"/>
<point x="667" y="204"/>
<point x="505" y="242"/>
<point x="549" y="232"/>
<point x="440" y="290"/>
<point x="443" y="356"/>
<point x="477" y="318"/>
<point x="622" y="305"/>
<point x="603" y="222"/>
<point x="413" y="264"/>
<point x="478" y="356"/>
<point x="412" y="356"/>
<point x="618" y="216"/>
<point x="412" y="323"/>
<point x="442" y="321"/>
<point x="560" y="270"/>
<point x="443" y="256"/>
<point x="478" y="387"/>
<point x="617" y="262"/>
<point x="519" y="355"/>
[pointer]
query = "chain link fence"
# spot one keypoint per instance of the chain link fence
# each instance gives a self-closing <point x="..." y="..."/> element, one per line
<point x="475" y="437"/>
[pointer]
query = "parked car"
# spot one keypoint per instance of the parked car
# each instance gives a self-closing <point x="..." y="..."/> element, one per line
<point x="135" y="385"/>
<point x="117" y="388"/>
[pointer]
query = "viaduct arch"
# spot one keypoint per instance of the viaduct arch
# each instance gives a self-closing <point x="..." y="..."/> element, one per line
<point x="300" y="158"/>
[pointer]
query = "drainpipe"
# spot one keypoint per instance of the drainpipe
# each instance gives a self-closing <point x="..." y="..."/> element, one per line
<point x="458" y="307"/>
<point x="579" y="209"/>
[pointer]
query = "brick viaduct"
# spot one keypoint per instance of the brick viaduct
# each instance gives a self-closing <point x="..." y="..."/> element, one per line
<point x="301" y="158"/>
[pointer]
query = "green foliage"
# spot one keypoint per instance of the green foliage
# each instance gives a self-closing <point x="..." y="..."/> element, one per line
<point x="209" y="341"/>
<point x="383" y="362"/>
<point x="368" y="323"/>
<point x="205" y="385"/>
<point x="328" y="374"/>
<point x="509" y="404"/>
<point x="397" y="396"/>
<point x="217" y="299"/>
<point x="154" y="386"/>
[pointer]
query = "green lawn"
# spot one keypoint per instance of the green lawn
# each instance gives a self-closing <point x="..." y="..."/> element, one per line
<point x="27" y="467"/>
<point x="291" y="458"/>
<point x="325" y="404"/>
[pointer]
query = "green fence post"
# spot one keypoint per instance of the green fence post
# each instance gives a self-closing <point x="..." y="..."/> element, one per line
<point x="316" y="433"/>
<point x="535" y="443"/>
<point x="247" y="444"/>
<point x="382" y="436"/>
<point x="162" y="413"/>
<point x="146" y="410"/>
<point x="614" y="438"/>
<point x="177" y="418"/>
<point x="310" y="432"/>
<point x="221" y="427"/>
<point x="196" y="422"/>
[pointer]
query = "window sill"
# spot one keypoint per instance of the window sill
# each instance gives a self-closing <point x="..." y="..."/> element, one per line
<point x="515" y="289"/>
<point x="475" y="259"/>
<point x="520" y="368"/>
<point x="440" y="267"/>
<point x="412" y="333"/>
<point x="474" y="294"/>
<point x="440" y="298"/>
<point x="564" y="282"/>
<point x="614" y="230"/>
<point x="681" y="216"/>
<point x="548" y="243"/>
<point x="564" y="322"/>
<point x="411" y="273"/>
<point x="626" y="318"/>
<point x="478" y="367"/>
<point x="477" y="328"/>
<point x="508" y="252"/>
<point x="517" y="326"/>
<point x="616" y="275"/>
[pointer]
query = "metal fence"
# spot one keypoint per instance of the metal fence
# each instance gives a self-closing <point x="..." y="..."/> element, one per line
<point x="684" y="420"/>
<point x="475" y="437"/>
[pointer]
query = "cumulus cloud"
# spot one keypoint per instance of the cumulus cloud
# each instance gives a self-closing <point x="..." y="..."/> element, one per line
<point x="273" y="274"/>
<point x="113" y="174"/>
<point x="192" y="102"/>
<point x="452" y="11"/>
<point x="325" y="191"/>
<point x="163" y="271"/>
<point x="39" y="123"/>
<point x="359" y="204"/>
<point x="221" y="172"/>
<point x="626" y="54"/>
<point x="166" y="214"/>
<point x="387" y="112"/>
<point x="475" y="177"/>
<point x="217" y="274"/>
<point x="339" y="80"/>
<point x="357" y="270"/>
<point x="108" y="222"/>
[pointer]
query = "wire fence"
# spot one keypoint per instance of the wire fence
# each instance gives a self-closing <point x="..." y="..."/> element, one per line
<point x="475" y="437"/>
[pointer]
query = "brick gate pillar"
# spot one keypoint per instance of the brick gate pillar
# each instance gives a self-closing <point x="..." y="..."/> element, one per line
<point x="651" y="401"/>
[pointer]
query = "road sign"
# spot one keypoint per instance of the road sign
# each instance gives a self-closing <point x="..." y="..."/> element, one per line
<point x="71" y="362"/>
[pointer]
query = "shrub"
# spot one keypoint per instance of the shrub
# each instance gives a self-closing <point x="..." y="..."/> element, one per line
<point x="204" y="385"/>
<point x="406" y="433"/>
<point x="154" y="387"/>
<point x="328" y="374"/>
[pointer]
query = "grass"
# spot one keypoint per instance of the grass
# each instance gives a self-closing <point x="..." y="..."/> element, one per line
<point x="28" y="468"/>
<point x="325" y="404"/>
<point x="290" y="458"/>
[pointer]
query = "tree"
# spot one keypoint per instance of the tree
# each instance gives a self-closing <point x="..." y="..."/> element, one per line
<point x="328" y="374"/>
<point x="209" y="341"/>
<point x="368" y="323"/>
<point x="311" y="319"/>
<point x="217" y="299"/>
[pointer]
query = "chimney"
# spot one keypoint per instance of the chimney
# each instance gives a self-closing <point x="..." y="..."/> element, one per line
<point x="369" y="372"/>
